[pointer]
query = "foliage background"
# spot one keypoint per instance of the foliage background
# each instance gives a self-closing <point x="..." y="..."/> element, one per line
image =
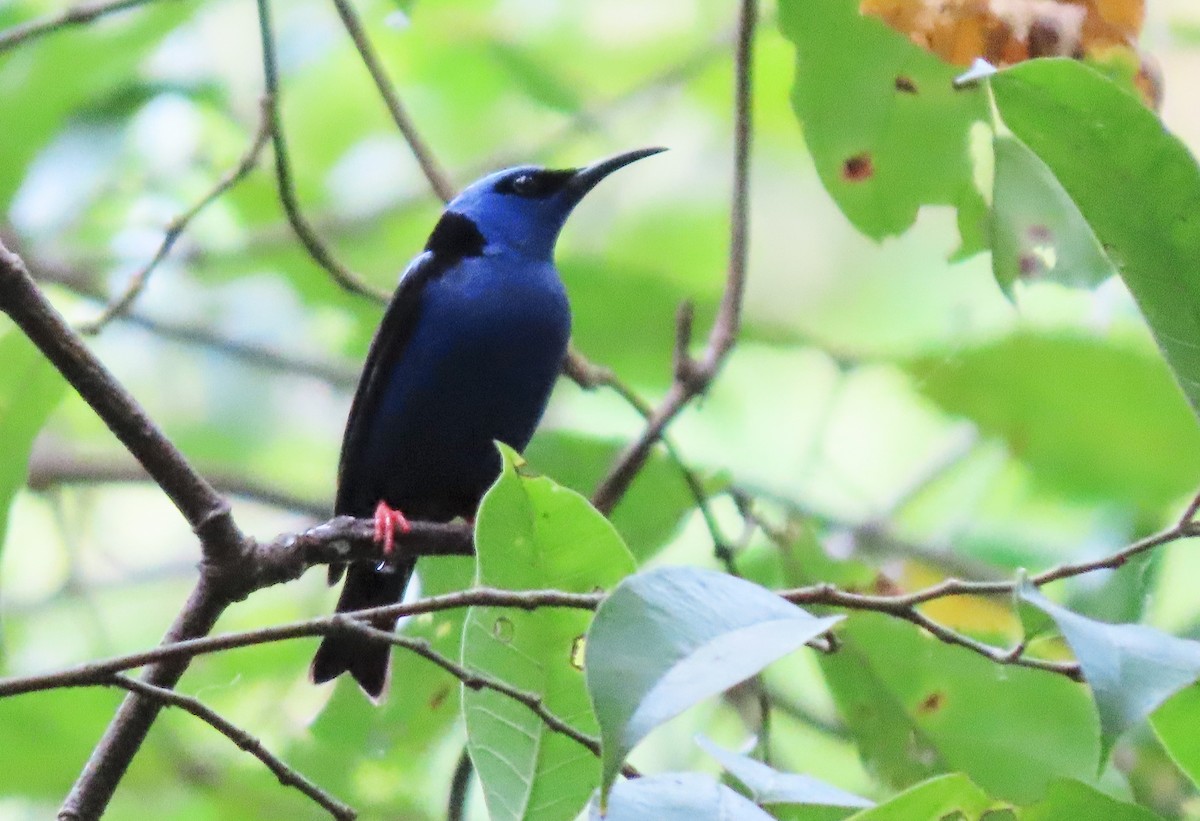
<point x="892" y="403"/>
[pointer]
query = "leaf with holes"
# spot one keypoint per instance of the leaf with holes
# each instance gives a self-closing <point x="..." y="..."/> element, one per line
<point x="30" y="389"/>
<point x="1131" y="668"/>
<point x="1037" y="231"/>
<point x="532" y="533"/>
<point x="1135" y="183"/>
<point x="674" y="797"/>
<point x="887" y="129"/>
<point x="770" y="786"/>
<point x="669" y="638"/>
<point x="917" y="707"/>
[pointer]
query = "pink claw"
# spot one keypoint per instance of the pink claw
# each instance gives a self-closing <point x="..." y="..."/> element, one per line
<point x="387" y="522"/>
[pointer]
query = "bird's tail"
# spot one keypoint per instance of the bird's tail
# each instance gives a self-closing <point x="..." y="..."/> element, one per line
<point x="366" y="660"/>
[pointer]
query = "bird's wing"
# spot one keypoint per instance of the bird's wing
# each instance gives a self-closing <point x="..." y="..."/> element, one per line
<point x="395" y="331"/>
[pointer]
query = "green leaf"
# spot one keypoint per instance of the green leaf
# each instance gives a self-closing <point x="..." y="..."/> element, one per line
<point x="918" y="707"/>
<point x="1082" y="413"/>
<point x="950" y="796"/>
<point x="649" y="515"/>
<point x="886" y="127"/>
<point x="1037" y="231"/>
<point x="669" y="638"/>
<point x="533" y="533"/>
<point x="30" y="389"/>
<point x="1144" y="206"/>
<point x="1175" y="725"/>
<point x="1071" y="799"/>
<point x="770" y="786"/>
<point x="1131" y="668"/>
<point x="674" y="797"/>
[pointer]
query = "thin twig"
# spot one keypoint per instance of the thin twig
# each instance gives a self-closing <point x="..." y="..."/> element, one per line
<point x="179" y="224"/>
<point x="51" y="467"/>
<point x="287" y="776"/>
<point x="335" y="540"/>
<point x="589" y="376"/>
<point x="438" y="180"/>
<point x="77" y="15"/>
<point x="190" y="648"/>
<point x="475" y="680"/>
<point x="316" y="247"/>
<point x="692" y="377"/>
<point x="321" y="544"/>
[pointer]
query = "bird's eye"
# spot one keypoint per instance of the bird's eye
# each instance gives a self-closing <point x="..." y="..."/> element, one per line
<point x="524" y="185"/>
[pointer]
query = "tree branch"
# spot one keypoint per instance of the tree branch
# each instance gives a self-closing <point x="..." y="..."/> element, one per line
<point x="316" y="247"/>
<point x="78" y="15"/>
<point x="347" y="539"/>
<point x="244" y="740"/>
<point x="692" y="377"/>
<point x="222" y="543"/>
<point x="179" y="224"/>
<point x="204" y="509"/>
<point x="438" y="181"/>
<point x="93" y="672"/>
<point x="50" y="467"/>
<point x="476" y="680"/>
<point x="589" y="376"/>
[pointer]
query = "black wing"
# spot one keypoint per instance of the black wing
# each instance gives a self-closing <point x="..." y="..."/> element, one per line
<point x="395" y="331"/>
<point x="454" y="238"/>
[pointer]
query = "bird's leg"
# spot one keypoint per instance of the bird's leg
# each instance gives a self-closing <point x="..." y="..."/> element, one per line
<point x="387" y="522"/>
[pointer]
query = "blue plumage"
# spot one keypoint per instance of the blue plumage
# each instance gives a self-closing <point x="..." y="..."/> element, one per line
<point x="467" y="353"/>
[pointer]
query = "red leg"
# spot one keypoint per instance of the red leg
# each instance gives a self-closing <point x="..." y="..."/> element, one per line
<point x="387" y="522"/>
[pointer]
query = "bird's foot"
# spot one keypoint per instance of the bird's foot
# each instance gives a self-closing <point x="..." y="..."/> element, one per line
<point x="387" y="522"/>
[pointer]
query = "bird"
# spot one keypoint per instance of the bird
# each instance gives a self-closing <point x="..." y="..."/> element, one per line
<point x="466" y="354"/>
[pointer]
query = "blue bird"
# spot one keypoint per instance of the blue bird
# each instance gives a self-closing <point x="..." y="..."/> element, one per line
<point x="467" y="353"/>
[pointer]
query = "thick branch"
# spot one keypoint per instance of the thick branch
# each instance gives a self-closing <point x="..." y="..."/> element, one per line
<point x="221" y="541"/>
<point x="204" y="509"/>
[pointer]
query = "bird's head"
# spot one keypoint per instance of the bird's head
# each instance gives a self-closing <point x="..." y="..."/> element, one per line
<point x="524" y="208"/>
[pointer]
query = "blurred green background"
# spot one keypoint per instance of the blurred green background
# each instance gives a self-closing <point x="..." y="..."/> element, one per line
<point x="883" y="399"/>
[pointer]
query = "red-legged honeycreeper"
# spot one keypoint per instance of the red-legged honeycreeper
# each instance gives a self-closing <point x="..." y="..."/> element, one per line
<point x="467" y="353"/>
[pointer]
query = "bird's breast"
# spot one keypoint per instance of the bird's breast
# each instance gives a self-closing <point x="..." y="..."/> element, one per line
<point x="487" y="347"/>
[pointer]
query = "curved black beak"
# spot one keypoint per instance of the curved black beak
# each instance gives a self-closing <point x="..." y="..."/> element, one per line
<point x="585" y="179"/>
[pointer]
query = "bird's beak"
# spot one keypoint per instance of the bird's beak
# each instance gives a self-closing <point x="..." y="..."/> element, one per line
<point x="585" y="179"/>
